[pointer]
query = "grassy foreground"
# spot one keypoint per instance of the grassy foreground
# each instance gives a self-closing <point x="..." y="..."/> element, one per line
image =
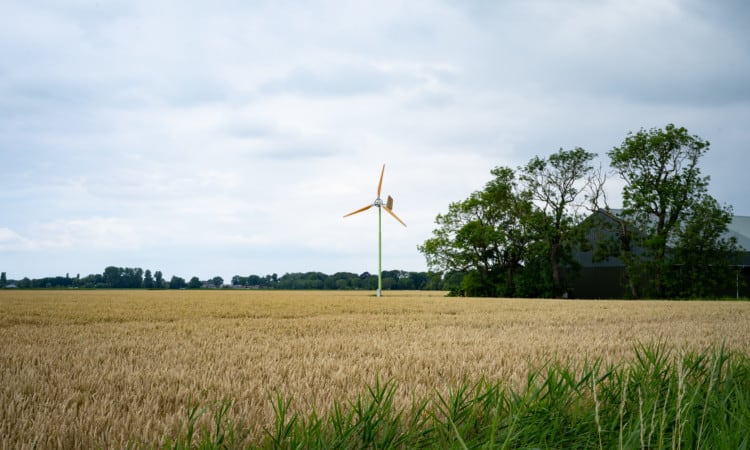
<point x="659" y="400"/>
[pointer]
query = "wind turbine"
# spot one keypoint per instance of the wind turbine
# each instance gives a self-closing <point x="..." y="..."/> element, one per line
<point x="388" y="206"/>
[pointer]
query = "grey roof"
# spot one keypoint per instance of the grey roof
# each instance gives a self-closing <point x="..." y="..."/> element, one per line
<point x="740" y="229"/>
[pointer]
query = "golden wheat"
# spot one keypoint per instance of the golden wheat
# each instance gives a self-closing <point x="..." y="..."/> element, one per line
<point x="80" y="369"/>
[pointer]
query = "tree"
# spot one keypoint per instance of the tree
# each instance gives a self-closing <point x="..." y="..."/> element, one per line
<point x="557" y="183"/>
<point x="131" y="278"/>
<point x="434" y="281"/>
<point x="123" y="277"/>
<point x="217" y="281"/>
<point x="418" y="280"/>
<point x="485" y="235"/>
<point x="663" y="184"/>
<point x="3" y="280"/>
<point x="112" y="276"/>
<point x="148" y="281"/>
<point x="194" y="283"/>
<point x="702" y="256"/>
<point x="158" y="280"/>
<point x="177" y="283"/>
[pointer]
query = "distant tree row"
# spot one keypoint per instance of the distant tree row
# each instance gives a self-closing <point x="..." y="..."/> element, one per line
<point x="113" y="278"/>
<point x="136" y="278"/>
<point x="392" y="280"/>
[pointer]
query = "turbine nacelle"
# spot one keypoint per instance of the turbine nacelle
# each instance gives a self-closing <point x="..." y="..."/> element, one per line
<point x="379" y="203"/>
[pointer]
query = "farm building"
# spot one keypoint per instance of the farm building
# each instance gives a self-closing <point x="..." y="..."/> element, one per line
<point x="605" y="277"/>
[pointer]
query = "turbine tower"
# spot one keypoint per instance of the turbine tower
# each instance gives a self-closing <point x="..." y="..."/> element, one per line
<point x="388" y="206"/>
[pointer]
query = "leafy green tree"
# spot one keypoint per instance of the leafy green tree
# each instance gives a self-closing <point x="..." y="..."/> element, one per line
<point x="131" y="277"/>
<point x="343" y="280"/>
<point x="453" y="281"/>
<point x="177" y="283"/>
<point x="3" y="280"/>
<point x="434" y="281"/>
<point x="702" y="256"/>
<point x="148" y="280"/>
<point x="158" y="280"/>
<point x="368" y="281"/>
<point x="286" y="281"/>
<point x="112" y="276"/>
<point x="194" y="283"/>
<point x="217" y="281"/>
<point x="416" y="280"/>
<point x="92" y="281"/>
<point x="558" y="183"/>
<point x="123" y="277"/>
<point x="254" y="280"/>
<point x="485" y="235"/>
<point x="663" y="184"/>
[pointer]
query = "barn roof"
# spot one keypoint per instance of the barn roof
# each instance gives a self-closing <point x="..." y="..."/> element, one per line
<point x="739" y="228"/>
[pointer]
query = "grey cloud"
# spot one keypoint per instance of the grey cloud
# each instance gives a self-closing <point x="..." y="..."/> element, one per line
<point x="432" y="100"/>
<point x="731" y="15"/>
<point x="334" y="82"/>
<point x="249" y="130"/>
<point x="295" y="153"/>
<point x="670" y="53"/>
<point x="188" y="92"/>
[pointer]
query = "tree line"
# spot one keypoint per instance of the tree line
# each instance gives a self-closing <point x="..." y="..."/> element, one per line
<point x="518" y="236"/>
<point x="136" y="278"/>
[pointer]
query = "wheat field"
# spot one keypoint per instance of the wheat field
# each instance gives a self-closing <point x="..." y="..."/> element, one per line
<point x="82" y="369"/>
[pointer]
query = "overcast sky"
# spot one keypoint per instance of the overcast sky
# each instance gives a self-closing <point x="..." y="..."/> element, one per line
<point x="230" y="137"/>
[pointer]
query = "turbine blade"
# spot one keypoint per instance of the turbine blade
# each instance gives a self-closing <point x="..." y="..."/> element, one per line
<point x="389" y="211"/>
<point x="389" y="203"/>
<point x="359" y="210"/>
<point x="380" y="183"/>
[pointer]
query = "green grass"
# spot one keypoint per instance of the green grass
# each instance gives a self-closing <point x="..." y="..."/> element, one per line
<point x="660" y="400"/>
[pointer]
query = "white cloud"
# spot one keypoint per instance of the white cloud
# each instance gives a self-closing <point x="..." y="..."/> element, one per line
<point x="10" y="240"/>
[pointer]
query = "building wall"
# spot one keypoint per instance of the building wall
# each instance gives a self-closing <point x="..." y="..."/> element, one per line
<point x="605" y="278"/>
<point x="599" y="282"/>
<point x="609" y="282"/>
<point x="741" y="285"/>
